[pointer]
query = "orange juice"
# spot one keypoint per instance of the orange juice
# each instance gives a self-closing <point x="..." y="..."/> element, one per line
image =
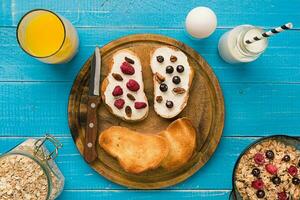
<point x="44" y="34"/>
<point x="47" y="36"/>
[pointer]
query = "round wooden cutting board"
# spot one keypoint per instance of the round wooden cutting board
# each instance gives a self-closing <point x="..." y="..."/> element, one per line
<point x="205" y="109"/>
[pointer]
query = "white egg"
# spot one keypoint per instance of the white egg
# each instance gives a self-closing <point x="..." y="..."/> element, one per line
<point x="201" y="22"/>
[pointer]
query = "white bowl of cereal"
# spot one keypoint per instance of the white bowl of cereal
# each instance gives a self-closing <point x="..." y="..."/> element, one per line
<point x="268" y="169"/>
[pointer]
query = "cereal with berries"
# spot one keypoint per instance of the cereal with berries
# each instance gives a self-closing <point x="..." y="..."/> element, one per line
<point x="269" y="170"/>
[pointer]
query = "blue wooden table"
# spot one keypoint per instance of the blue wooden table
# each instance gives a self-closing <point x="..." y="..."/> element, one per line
<point x="261" y="98"/>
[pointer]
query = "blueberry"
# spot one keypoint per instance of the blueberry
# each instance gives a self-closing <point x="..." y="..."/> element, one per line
<point x="176" y="80"/>
<point x="255" y="172"/>
<point x="270" y="154"/>
<point x="163" y="87"/>
<point x="160" y="59"/>
<point x="296" y="181"/>
<point x="169" y="69"/>
<point x="276" y="180"/>
<point x="286" y="158"/>
<point x="180" y="68"/>
<point x="260" y="193"/>
<point x="169" y="104"/>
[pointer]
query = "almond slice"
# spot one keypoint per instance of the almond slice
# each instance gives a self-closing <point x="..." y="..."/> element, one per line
<point x="117" y="76"/>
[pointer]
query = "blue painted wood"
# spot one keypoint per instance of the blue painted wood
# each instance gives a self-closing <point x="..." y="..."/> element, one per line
<point x="156" y="13"/>
<point x="216" y="174"/>
<point x="144" y="195"/>
<point x="279" y="64"/>
<point x="261" y="98"/>
<point x="252" y="109"/>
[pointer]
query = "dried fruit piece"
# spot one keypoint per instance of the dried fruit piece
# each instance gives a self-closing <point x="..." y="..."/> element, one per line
<point x="179" y="90"/>
<point x="117" y="91"/>
<point x="131" y="97"/>
<point x="127" y="68"/>
<point x="257" y="184"/>
<point x="132" y="85"/>
<point x="272" y="169"/>
<point x="140" y="105"/>
<point x="169" y="104"/>
<point x="159" y="78"/>
<point x="129" y="60"/>
<point x="117" y="76"/>
<point x="159" y="99"/>
<point x="119" y="103"/>
<point x="260" y="194"/>
<point x="160" y="59"/>
<point x="282" y="196"/>
<point x="259" y="158"/>
<point x="173" y="58"/>
<point x="292" y="170"/>
<point x="128" y="111"/>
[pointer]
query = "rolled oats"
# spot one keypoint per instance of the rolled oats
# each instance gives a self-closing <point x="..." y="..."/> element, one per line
<point x="22" y="177"/>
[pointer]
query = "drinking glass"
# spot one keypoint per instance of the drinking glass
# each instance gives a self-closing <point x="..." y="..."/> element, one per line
<point x="47" y="36"/>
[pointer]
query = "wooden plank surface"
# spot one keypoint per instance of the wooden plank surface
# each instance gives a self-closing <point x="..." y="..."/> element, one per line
<point x="216" y="174"/>
<point x="155" y="13"/>
<point x="252" y="109"/>
<point x="144" y="195"/>
<point x="280" y="63"/>
<point x="261" y="98"/>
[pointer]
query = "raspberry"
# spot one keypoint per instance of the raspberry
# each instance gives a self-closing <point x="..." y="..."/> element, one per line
<point x="133" y="85"/>
<point x="282" y="196"/>
<point x="272" y="169"/>
<point x="140" y="105"/>
<point x="117" y="91"/>
<point x="258" y="184"/>
<point x="127" y="68"/>
<point x="119" y="103"/>
<point x="292" y="170"/>
<point x="259" y="159"/>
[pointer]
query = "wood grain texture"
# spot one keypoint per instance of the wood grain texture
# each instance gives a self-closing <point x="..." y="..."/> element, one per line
<point x="261" y="97"/>
<point x="144" y="195"/>
<point x="279" y="64"/>
<point x="155" y="13"/>
<point x="252" y="109"/>
<point x="91" y="127"/>
<point x="208" y="120"/>
<point x="79" y="176"/>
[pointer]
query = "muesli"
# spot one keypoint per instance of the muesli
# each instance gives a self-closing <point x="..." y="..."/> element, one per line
<point x="269" y="170"/>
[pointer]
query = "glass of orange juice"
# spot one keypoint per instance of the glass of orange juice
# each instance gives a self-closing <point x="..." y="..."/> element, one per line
<point x="47" y="36"/>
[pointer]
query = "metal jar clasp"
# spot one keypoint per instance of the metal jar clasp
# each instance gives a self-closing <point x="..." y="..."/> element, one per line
<point x="43" y="152"/>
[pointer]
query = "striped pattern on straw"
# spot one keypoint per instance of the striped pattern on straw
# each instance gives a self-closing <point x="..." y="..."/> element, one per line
<point x="270" y="33"/>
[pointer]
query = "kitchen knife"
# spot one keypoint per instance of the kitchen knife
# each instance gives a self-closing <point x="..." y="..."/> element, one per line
<point x="91" y="130"/>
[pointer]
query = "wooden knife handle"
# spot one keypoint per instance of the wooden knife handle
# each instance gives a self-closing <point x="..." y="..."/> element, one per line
<point x="91" y="131"/>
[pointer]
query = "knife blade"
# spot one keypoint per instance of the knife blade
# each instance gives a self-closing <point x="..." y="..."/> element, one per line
<point x="91" y="130"/>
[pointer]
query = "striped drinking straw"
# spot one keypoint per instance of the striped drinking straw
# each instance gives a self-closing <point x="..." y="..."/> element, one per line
<point x="270" y="33"/>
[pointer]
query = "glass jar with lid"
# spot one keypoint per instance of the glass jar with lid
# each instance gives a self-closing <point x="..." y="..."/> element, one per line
<point x="28" y="171"/>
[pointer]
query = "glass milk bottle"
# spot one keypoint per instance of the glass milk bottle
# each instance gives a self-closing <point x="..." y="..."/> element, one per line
<point x="234" y="49"/>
